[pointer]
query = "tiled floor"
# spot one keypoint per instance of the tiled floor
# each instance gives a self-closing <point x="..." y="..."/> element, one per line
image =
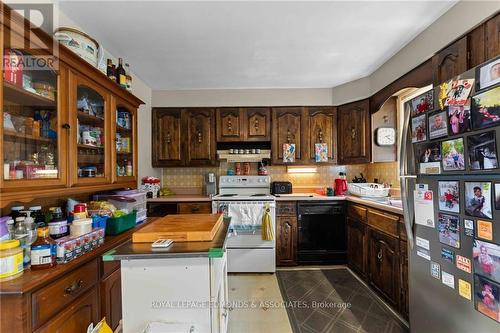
<point x="258" y="305"/>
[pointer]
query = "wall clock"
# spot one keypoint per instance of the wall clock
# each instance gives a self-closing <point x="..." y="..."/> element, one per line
<point x="385" y="136"/>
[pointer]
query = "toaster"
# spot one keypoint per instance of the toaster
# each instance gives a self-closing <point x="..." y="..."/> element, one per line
<point x="281" y="188"/>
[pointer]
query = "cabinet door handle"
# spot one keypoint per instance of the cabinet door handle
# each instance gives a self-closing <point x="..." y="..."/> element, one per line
<point x="288" y="136"/>
<point x="320" y="136"/>
<point x="168" y="138"/>
<point x="73" y="287"/>
<point x="229" y="125"/>
<point x="66" y="126"/>
<point x="353" y="133"/>
<point x="200" y="137"/>
<point x="379" y="255"/>
<point x="256" y="125"/>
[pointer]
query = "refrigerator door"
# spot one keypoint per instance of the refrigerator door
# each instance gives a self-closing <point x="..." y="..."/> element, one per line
<point x="407" y="178"/>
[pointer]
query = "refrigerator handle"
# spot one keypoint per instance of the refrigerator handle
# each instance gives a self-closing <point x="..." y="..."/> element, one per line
<point x="408" y="210"/>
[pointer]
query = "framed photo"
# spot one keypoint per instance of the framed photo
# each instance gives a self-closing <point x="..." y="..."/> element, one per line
<point x="422" y="103"/>
<point x="478" y="199"/>
<point x="418" y="129"/>
<point x="449" y="230"/>
<point x="488" y="74"/>
<point x="438" y="125"/>
<point x="487" y="297"/>
<point x="449" y="196"/>
<point x="453" y="155"/>
<point x="459" y="118"/>
<point x="429" y="157"/>
<point x="485" y="108"/>
<point x="486" y="257"/>
<point x="497" y="196"/>
<point x="482" y="150"/>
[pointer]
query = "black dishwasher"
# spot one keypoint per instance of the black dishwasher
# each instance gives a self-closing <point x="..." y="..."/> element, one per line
<point x="322" y="232"/>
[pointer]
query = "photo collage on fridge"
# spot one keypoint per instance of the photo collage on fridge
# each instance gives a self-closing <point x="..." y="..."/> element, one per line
<point x="454" y="131"/>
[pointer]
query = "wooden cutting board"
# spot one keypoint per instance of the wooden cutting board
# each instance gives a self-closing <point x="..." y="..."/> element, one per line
<point x="180" y="228"/>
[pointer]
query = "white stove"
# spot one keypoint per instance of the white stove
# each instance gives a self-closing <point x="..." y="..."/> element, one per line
<point x="244" y="199"/>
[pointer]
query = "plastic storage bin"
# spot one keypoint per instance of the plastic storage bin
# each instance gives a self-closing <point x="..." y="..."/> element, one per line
<point x="139" y="205"/>
<point x="117" y="225"/>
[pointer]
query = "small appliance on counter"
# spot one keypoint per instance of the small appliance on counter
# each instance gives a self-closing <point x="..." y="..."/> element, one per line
<point x="341" y="184"/>
<point x="281" y="188"/>
<point x="210" y="184"/>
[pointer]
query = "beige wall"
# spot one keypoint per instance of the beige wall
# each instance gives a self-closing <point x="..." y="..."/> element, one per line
<point x="461" y="18"/>
<point x="242" y="97"/>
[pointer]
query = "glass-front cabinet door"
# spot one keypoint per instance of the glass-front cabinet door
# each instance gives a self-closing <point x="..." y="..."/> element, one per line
<point x="91" y="137"/>
<point x="124" y="161"/>
<point x="33" y="125"/>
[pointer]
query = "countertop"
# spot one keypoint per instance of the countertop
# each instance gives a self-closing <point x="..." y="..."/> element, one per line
<point x="182" y="198"/>
<point x="131" y="251"/>
<point x="32" y="280"/>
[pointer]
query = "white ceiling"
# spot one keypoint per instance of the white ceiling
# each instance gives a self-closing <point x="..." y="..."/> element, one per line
<point x="215" y="45"/>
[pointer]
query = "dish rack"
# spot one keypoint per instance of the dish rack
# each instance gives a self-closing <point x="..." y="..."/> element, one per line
<point x="371" y="190"/>
<point x="130" y="200"/>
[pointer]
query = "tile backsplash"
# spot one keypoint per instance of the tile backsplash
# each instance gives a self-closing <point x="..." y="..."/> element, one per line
<point x="386" y="172"/>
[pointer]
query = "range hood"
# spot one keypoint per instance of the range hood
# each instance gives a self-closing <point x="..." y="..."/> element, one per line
<point x="226" y="156"/>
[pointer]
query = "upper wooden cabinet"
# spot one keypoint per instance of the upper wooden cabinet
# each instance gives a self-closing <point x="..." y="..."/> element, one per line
<point x="124" y="157"/>
<point x="322" y="129"/>
<point x="450" y="61"/>
<point x="243" y="124"/>
<point x="492" y="37"/>
<point x="289" y="126"/>
<point x="257" y="124"/>
<point x="200" y="137"/>
<point x="183" y="137"/>
<point x="354" y="132"/>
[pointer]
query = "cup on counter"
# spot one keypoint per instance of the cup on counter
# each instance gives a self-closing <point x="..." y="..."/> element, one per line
<point x="231" y="151"/>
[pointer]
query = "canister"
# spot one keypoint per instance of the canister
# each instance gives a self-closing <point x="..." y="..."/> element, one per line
<point x="11" y="259"/>
<point x="80" y="227"/>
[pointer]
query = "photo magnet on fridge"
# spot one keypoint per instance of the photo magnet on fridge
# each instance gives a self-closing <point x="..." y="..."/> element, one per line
<point x="438" y="125"/>
<point x="486" y="257"/>
<point x="429" y="158"/>
<point x="453" y="155"/>
<point x="422" y="103"/>
<point x="464" y="289"/>
<point x="418" y="129"/>
<point x="449" y="196"/>
<point x="485" y="108"/>
<point x="482" y="151"/>
<point x="449" y="230"/>
<point x="488" y="74"/>
<point x="497" y="196"/>
<point x="458" y="92"/>
<point x="469" y="228"/>
<point x="478" y="199"/>
<point x="423" y="243"/>
<point x="435" y="270"/>
<point x="487" y="297"/>
<point x="423" y="253"/>
<point x="448" y="279"/>
<point x="447" y="255"/>
<point x="485" y="230"/>
<point x="459" y="118"/>
<point x="463" y="263"/>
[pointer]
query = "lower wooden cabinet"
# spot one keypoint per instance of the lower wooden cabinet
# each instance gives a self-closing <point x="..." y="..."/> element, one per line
<point x="160" y="209"/>
<point x="194" y="208"/>
<point x="286" y="247"/>
<point x="383" y="265"/>
<point x="356" y="246"/>
<point x="111" y="299"/>
<point x="77" y="316"/>
<point x="404" y="305"/>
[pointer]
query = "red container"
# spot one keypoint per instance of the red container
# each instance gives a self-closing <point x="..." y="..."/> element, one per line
<point x="80" y="208"/>
<point x="340" y="186"/>
<point x="13" y="67"/>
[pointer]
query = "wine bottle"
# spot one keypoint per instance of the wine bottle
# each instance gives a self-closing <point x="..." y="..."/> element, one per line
<point x="121" y="76"/>
<point x="111" y="70"/>
<point x="128" y="76"/>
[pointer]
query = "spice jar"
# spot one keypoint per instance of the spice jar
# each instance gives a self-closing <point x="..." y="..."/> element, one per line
<point x="11" y="259"/>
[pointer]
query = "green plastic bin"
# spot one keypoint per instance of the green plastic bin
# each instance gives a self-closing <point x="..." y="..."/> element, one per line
<point x="117" y="225"/>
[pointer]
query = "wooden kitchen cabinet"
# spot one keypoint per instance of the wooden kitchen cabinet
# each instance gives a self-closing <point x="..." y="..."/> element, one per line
<point x="76" y="317"/>
<point x="200" y="137"/>
<point x="383" y="264"/>
<point x="356" y="246"/>
<point x="194" y="208"/>
<point x="111" y="299"/>
<point x="492" y="37"/>
<point x="404" y="299"/>
<point x="289" y="126"/>
<point x="354" y="132"/>
<point x="286" y="247"/>
<point x="257" y="124"/>
<point x="124" y="120"/>
<point x="451" y="61"/>
<point x="183" y="137"/>
<point x="229" y="125"/>
<point x="322" y="129"/>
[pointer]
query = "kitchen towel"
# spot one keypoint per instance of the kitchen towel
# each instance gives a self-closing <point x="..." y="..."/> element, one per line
<point x="267" y="225"/>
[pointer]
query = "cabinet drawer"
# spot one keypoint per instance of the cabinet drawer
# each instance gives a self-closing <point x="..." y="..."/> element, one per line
<point x="57" y="295"/>
<point x="384" y="222"/>
<point x="194" y="208"/>
<point x="356" y="212"/>
<point x="286" y="209"/>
